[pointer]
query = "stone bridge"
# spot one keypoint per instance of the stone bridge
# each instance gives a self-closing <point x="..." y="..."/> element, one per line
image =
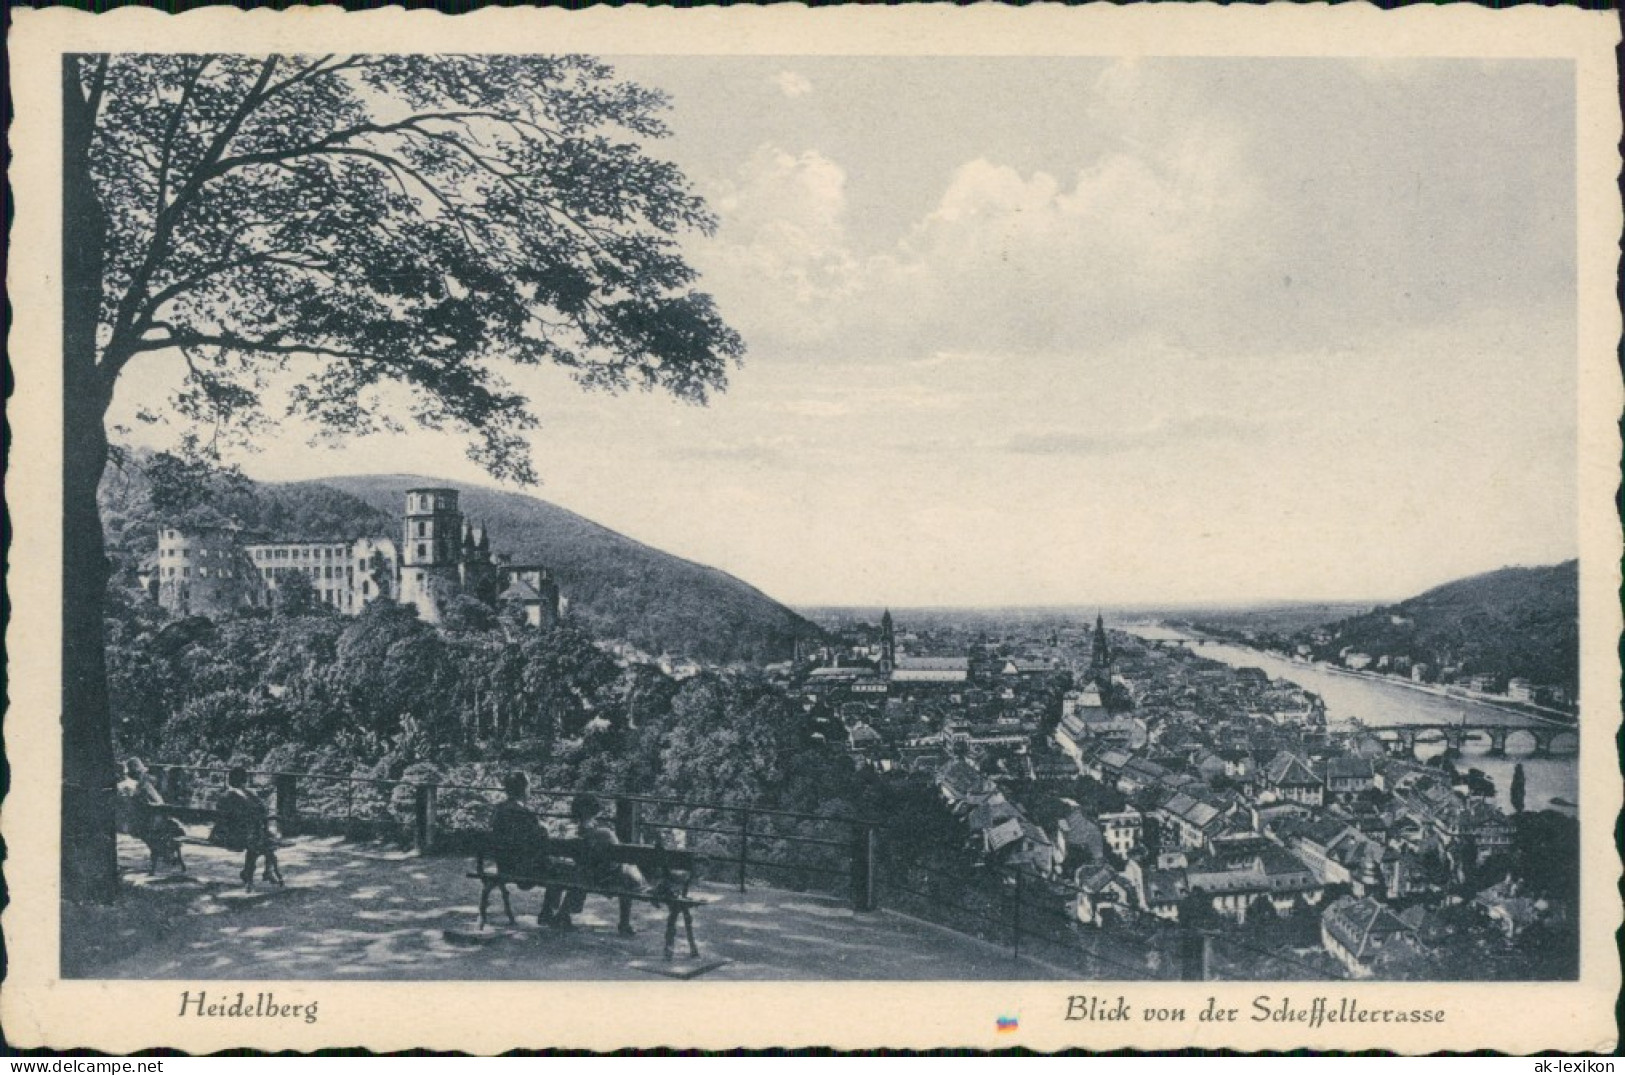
<point x="1544" y="740"/>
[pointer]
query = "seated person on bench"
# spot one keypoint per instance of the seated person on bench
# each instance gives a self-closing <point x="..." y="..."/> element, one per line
<point x="517" y="840"/>
<point x="139" y="803"/>
<point x="244" y="824"/>
<point x="585" y="810"/>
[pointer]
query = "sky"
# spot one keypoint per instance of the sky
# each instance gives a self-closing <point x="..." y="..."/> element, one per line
<point x="1090" y="330"/>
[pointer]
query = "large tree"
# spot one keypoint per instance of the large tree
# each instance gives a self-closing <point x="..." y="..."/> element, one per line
<point x="350" y="223"/>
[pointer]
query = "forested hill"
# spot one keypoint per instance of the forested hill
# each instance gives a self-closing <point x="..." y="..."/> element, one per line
<point x="1516" y="622"/>
<point x="618" y="587"/>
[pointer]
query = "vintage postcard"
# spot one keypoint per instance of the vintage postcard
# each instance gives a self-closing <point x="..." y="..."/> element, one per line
<point x="1047" y="528"/>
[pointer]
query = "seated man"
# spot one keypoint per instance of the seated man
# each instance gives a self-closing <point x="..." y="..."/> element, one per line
<point x="517" y="840"/>
<point x="244" y="824"/>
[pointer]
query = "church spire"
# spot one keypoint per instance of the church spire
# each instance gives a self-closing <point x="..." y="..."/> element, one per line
<point x="888" y="642"/>
<point x="1100" y="661"/>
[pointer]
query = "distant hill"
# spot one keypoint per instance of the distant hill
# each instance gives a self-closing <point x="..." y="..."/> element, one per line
<point x="619" y="588"/>
<point x="143" y="490"/>
<point x="1516" y="622"/>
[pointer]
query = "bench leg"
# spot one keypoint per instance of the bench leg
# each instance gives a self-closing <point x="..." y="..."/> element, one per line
<point x="671" y="930"/>
<point x="688" y="928"/>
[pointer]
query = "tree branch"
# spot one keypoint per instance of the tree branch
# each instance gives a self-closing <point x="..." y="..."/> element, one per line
<point x="184" y="340"/>
<point x="134" y="298"/>
<point x="172" y="129"/>
<point x="98" y="88"/>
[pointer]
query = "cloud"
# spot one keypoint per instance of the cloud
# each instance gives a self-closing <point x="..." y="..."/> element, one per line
<point x="781" y="261"/>
<point x="1200" y="429"/>
<point x="751" y="453"/>
<point x="1004" y="260"/>
<point x="792" y="84"/>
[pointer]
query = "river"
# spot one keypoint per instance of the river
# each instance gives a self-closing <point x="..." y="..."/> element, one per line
<point x="1376" y="702"/>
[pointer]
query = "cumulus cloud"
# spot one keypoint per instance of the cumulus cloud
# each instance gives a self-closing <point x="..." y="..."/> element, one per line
<point x="1003" y="260"/>
<point x="792" y="84"/>
<point x="781" y="260"/>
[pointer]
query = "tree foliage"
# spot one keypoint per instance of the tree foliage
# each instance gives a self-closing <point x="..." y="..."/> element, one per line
<point x="424" y="220"/>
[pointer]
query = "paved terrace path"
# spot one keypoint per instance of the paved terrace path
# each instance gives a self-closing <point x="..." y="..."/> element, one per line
<point x="356" y="911"/>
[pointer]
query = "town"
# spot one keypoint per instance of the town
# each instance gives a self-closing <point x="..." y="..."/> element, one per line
<point x="1150" y="788"/>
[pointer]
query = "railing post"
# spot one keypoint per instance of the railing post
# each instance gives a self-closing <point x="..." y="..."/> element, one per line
<point x="744" y="842"/>
<point x="287" y="802"/>
<point x="423" y="827"/>
<point x="627" y="823"/>
<point x="863" y="867"/>
<point x="1192" y="955"/>
<point x="1015" y="921"/>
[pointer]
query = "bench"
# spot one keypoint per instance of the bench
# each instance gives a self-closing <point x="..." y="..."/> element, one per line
<point x="201" y="815"/>
<point x="669" y="872"/>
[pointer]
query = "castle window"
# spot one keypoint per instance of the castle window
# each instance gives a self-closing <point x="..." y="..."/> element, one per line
<point x="423" y="550"/>
<point x="421" y="529"/>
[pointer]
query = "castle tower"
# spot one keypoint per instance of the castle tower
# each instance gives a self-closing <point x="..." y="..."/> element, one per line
<point x="431" y="551"/>
<point x="888" y="642"/>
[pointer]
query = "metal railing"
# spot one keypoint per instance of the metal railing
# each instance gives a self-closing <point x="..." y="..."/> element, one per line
<point x="795" y="849"/>
<point x="1032" y="916"/>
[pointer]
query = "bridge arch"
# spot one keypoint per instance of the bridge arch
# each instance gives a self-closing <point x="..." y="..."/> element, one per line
<point x="1522" y="741"/>
<point x="1564" y="742"/>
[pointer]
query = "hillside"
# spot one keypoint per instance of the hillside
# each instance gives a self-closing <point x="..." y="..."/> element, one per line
<point x="146" y="488"/>
<point x="617" y="587"/>
<point x="1518" y="622"/>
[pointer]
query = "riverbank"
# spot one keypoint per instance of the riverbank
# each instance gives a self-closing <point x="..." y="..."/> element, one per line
<point x="1545" y="715"/>
<point x="1379" y="701"/>
<point x="1553" y="717"/>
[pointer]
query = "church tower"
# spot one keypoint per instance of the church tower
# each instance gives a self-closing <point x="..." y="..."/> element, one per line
<point x="888" y="643"/>
<point x="431" y="550"/>
<point x="1100" y="660"/>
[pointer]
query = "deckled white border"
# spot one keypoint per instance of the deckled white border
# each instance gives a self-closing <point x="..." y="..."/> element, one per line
<point x="487" y="1017"/>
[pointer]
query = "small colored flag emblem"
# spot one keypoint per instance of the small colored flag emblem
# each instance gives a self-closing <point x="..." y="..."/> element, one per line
<point x="1007" y="1023"/>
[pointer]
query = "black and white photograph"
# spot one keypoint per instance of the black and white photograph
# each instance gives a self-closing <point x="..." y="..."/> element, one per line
<point x="550" y="515"/>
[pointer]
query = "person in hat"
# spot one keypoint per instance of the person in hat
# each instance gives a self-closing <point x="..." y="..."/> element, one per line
<point x="142" y="816"/>
<point x="517" y="840"/>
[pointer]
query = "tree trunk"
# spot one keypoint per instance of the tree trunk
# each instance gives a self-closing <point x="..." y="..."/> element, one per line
<point x="89" y="848"/>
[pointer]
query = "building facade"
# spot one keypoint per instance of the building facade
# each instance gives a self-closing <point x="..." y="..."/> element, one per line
<point x="220" y="570"/>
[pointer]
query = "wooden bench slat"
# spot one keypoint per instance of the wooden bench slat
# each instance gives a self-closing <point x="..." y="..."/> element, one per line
<point x="668" y="891"/>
